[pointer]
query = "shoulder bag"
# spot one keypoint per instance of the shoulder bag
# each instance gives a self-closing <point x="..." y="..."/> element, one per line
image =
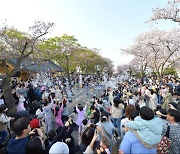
<point x="164" y="145"/>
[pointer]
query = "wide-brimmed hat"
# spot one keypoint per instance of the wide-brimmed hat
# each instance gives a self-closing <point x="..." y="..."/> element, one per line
<point x="174" y="105"/>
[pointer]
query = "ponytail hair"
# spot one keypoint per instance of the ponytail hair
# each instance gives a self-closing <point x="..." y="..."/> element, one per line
<point x="104" y="116"/>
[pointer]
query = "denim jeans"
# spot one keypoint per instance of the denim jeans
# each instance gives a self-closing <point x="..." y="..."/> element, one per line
<point x="117" y="123"/>
<point x="3" y="135"/>
<point x="160" y="98"/>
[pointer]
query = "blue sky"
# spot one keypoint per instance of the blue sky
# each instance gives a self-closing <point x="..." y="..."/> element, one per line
<point x="108" y="25"/>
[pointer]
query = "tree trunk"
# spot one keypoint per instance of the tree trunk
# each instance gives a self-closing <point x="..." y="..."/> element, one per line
<point x="160" y="76"/>
<point x="142" y="72"/>
<point x="7" y="91"/>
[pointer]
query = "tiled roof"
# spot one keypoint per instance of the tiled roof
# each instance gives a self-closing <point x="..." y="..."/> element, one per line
<point x="37" y="65"/>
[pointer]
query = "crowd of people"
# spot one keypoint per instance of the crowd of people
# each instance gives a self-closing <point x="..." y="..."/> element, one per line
<point x="132" y="116"/>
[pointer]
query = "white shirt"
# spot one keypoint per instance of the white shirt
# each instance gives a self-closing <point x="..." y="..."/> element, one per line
<point x="132" y="102"/>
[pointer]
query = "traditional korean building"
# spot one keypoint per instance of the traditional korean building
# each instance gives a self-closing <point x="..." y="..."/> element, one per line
<point x="30" y="66"/>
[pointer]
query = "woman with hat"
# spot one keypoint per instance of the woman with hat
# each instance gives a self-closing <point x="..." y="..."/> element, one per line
<point x="162" y="113"/>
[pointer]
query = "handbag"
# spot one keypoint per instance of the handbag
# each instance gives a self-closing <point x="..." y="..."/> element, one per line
<point x="164" y="145"/>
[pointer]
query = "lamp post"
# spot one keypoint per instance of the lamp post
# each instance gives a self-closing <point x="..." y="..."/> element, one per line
<point x="98" y="67"/>
<point x="104" y="74"/>
<point x="67" y="62"/>
<point x="80" y="76"/>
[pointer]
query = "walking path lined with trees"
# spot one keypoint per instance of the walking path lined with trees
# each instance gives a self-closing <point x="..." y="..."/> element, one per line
<point x="87" y="108"/>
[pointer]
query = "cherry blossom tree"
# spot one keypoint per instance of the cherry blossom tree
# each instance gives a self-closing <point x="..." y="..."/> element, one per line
<point x="122" y="69"/>
<point x="157" y="49"/>
<point x="170" y="12"/>
<point x="165" y="50"/>
<point x="18" y="45"/>
<point x="141" y="54"/>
